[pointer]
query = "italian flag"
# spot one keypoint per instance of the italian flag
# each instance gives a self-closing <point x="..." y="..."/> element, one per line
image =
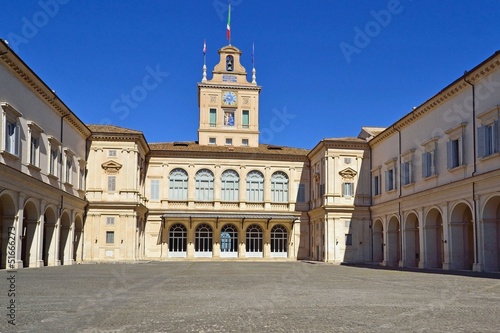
<point x="228" y="33"/>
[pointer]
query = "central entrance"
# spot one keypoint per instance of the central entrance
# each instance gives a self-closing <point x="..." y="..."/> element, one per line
<point x="229" y="241"/>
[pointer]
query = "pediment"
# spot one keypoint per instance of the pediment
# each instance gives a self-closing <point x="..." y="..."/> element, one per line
<point x="348" y="173"/>
<point x="111" y="167"/>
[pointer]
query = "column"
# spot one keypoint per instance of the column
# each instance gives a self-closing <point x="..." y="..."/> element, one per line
<point x="40" y="234"/>
<point x="18" y="224"/>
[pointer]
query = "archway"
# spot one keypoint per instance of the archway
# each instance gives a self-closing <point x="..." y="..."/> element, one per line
<point x="177" y="241"/>
<point x="491" y="234"/>
<point x="378" y="241"/>
<point x="203" y="241"/>
<point x="434" y="249"/>
<point x="28" y="235"/>
<point x="229" y="241"/>
<point x="462" y="237"/>
<point x="393" y="242"/>
<point x="7" y="215"/>
<point x="64" y="241"/>
<point x="254" y="246"/>
<point x="48" y="244"/>
<point x="412" y="241"/>
<point x="77" y="241"/>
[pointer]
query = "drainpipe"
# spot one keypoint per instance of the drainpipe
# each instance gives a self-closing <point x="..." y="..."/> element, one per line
<point x="399" y="194"/>
<point x="370" y="226"/>
<point x="474" y="200"/>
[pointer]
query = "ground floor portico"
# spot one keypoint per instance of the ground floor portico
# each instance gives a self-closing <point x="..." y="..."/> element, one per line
<point x="212" y="235"/>
<point x="450" y="230"/>
<point x="40" y="225"/>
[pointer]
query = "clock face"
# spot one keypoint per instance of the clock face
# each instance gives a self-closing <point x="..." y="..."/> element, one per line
<point x="229" y="98"/>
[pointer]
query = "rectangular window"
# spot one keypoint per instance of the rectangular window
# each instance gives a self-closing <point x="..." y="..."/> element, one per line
<point x="34" y="150"/>
<point x="489" y="139"/>
<point x="244" y="142"/>
<point x="245" y="119"/>
<point x="213" y="117"/>
<point x="155" y="189"/>
<point x="82" y="179"/>
<point x="54" y="154"/>
<point x="406" y="173"/>
<point x="12" y="138"/>
<point x="111" y="183"/>
<point x="301" y="193"/>
<point x="112" y="153"/>
<point x="428" y="164"/>
<point x="110" y="237"/>
<point x="376" y="185"/>
<point x="348" y="239"/>
<point x="348" y="189"/>
<point x="110" y="220"/>
<point x="212" y="141"/>
<point x="390" y="179"/>
<point x="455" y="151"/>
<point x="229" y="142"/>
<point x="69" y="169"/>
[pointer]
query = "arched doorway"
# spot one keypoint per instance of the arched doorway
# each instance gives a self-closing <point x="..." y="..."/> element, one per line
<point x="434" y="247"/>
<point x="378" y="241"/>
<point x="254" y="241"/>
<point x="28" y="235"/>
<point x="229" y="241"/>
<point x="462" y="237"/>
<point x="7" y="215"/>
<point x="412" y="241"/>
<point x="279" y="242"/>
<point x="203" y="241"/>
<point x="393" y="242"/>
<point x="177" y="241"/>
<point x="491" y="234"/>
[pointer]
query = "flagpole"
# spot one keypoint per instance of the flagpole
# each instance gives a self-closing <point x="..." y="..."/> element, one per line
<point x="228" y="27"/>
<point x="204" y="61"/>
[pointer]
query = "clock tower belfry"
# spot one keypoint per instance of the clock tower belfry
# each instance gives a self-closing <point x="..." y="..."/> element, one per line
<point x="229" y="104"/>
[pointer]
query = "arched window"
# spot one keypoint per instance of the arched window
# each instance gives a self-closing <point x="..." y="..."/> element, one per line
<point x="230" y="185"/>
<point x="177" y="240"/>
<point x="254" y="241"/>
<point x="229" y="241"/>
<point x="203" y="240"/>
<point x="204" y="185"/>
<point x="178" y="180"/>
<point x="279" y="241"/>
<point x="255" y="186"/>
<point x="229" y="63"/>
<point x="279" y="187"/>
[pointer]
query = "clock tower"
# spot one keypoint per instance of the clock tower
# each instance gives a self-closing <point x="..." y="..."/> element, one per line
<point x="229" y="104"/>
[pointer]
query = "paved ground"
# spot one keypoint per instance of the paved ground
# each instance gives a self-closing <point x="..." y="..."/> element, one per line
<point x="248" y="297"/>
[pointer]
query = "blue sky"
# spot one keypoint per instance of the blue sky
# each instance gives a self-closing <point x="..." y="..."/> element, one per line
<point x="329" y="66"/>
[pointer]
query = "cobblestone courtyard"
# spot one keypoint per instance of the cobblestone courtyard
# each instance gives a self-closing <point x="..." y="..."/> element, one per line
<point x="248" y="297"/>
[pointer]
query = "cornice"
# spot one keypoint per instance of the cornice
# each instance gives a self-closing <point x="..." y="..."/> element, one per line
<point x="485" y="68"/>
<point x="26" y="75"/>
<point x="228" y="155"/>
<point x="227" y="86"/>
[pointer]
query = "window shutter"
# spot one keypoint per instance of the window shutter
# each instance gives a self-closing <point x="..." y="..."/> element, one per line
<point x="461" y="150"/>
<point x="395" y="177"/>
<point x="449" y="149"/>
<point x="496" y="136"/>
<point x="481" y="137"/>
<point x="17" y="142"/>
<point x="425" y="165"/>
<point x="387" y="181"/>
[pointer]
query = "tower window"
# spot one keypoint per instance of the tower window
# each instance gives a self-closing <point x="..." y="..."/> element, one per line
<point x="229" y="63"/>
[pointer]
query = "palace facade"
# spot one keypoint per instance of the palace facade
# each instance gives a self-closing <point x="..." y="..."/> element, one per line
<point x="423" y="192"/>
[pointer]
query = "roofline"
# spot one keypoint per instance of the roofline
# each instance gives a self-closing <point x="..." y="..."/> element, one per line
<point x="56" y="103"/>
<point x="331" y="142"/>
<point x="447" y="92"/>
